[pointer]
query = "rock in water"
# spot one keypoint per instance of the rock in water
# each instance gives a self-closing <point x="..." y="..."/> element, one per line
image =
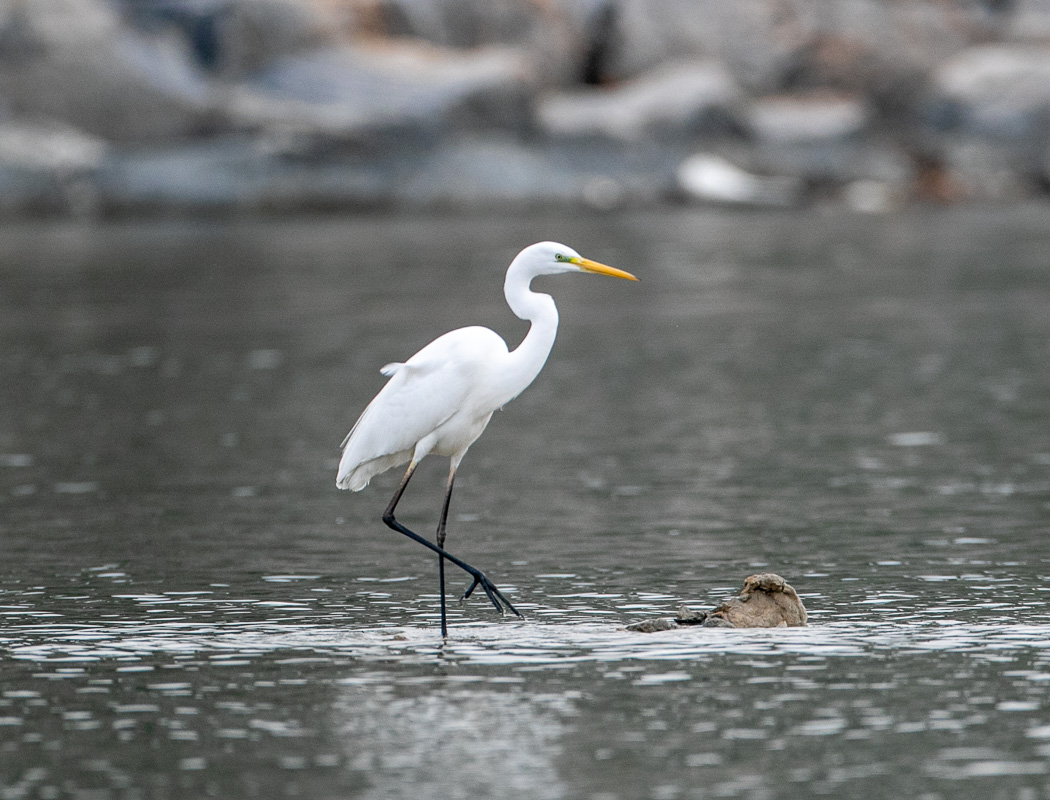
<point x="652" y="625"/>
<point x="766" y="601"/>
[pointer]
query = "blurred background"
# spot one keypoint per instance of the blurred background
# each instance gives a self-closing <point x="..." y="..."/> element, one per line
<point x="157" y="106"/>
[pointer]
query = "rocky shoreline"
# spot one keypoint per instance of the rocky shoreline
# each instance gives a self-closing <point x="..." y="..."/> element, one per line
<point x="117" y="107"/>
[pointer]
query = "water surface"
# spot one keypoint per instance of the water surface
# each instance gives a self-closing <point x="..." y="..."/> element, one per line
<point x="189" y="608"/>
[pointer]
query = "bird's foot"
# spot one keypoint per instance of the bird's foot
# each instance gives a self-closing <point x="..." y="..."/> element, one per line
<point x="502" y="604"/>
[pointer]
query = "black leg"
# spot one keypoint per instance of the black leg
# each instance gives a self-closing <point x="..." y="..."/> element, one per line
<point x="501" y="603"/>
<point x="441" y="544"/>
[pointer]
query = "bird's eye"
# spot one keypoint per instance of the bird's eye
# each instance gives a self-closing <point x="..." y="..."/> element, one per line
<point x="559" y="257"/>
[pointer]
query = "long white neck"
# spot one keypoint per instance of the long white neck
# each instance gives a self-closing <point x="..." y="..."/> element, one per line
<point x="526" y="361"/>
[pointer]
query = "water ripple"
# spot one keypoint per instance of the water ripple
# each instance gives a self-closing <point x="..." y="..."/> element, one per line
<point x="514" y="643"/>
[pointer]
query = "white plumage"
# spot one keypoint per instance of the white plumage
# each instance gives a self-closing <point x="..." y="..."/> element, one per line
<point x="440" y="400"/>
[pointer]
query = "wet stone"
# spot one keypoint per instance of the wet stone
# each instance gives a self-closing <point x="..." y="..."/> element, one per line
<point x="766" y="601"/>
<point x="653" y="625"/>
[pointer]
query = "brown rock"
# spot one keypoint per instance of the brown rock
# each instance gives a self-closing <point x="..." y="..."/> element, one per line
<point x="767" y="601"/>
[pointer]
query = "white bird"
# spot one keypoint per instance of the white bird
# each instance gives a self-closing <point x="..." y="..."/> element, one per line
<point x="440" y="400"/>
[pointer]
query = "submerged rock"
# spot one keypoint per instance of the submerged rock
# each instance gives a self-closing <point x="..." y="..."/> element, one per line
<point x="653" y="625"/>
<point x="766" y="601"/>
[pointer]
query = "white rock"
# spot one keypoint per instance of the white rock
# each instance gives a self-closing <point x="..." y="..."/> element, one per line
<point x="712" y="178"/>
<point x="49" y="145"/>
<point x="807" y="119"/>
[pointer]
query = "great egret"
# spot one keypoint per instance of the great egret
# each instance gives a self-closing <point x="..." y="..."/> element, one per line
<point x="441" y="399"/>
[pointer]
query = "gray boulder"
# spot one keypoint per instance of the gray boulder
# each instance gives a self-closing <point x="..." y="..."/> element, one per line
<point x="1000" y="91"/>
<point x="464" y="23"/>
<point x="74" y="60"/>
<point x="869" y="45"/>
<point x="48" y="166"/>
<point x="710" y="178"/>
<point x="677" y="102"/>
<point x="410" y="92"/>
<point x="823" y="139"/>
<point x="560" y="37"/>
<point x="1030" y="21"/>
<point x="255" y="33"/>
<point x="748" y="36"/>
<point x="986" y="115"/>
<point x="235" y="37"/>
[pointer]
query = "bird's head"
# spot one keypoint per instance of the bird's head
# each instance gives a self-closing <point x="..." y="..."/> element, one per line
<point x="551" y="258"/>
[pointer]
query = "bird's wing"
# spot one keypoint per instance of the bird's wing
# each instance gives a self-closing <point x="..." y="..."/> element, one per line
<point x="421" y="395"/>
<point x="414" y="402"/>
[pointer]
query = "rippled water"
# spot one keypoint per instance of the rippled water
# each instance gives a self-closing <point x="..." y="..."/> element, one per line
<point x="188" y="607"/>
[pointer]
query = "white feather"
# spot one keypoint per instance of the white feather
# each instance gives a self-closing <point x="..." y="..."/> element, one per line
<point x="440" y="400"/>
<point x="433" y="396"/>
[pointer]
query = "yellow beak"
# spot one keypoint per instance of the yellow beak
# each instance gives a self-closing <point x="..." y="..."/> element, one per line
<point x="601" y="269"/>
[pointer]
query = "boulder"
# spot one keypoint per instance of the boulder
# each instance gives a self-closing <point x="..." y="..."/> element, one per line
<point x="674" y="103"/>
<point x="653" y="625"/>
<point x="711" y="178"/>
<point x="823" y="139"/>
<point x="748" y="36"/>
<point x="808" y="118"/>
<point x="559" y="37"/>
<point x="366" y="94"/>
<point x="999" y="91"/>
<point x="250" y="35"/>
<point x="986" y="117"/>
<point x="46" y="144"/>
<point x="766" y="601"/>
<point x="235" y="37"/>
<point x="462" y="23"/>
<point x="1029" y="20"/>
<point x="48" y="166"/>
<point x="75" y="61"/>
<point x="873" y="47"/>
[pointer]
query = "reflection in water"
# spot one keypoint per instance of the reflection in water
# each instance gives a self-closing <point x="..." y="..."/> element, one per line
<point x="457" y="740"/>
<point x="188" y="608"/>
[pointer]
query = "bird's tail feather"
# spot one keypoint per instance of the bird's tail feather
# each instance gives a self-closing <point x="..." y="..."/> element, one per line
<point x="355" y="477"/>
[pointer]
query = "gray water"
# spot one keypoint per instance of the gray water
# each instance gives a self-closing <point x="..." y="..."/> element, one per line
<point x="189" y="608"/>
